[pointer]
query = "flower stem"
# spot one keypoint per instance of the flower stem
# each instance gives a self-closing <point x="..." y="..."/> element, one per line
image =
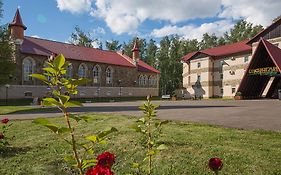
<point x="73" y="143"/>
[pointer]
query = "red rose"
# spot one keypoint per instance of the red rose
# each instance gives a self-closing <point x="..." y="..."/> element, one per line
<point x="5" y="120"/>
<point x="1" y="136"/>
<point x="106" y="159"/>
<point x="99" y="170"/>
<point x="215" y="164"/>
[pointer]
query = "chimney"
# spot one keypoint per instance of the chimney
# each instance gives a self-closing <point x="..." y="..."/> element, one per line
<point x="16" y="27"/>
<point x="136" y="51"/>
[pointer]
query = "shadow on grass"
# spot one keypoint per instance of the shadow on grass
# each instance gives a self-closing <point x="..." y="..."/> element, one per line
<point x="6" y="152"/>
<point x="60" y="167"/>
<point x="113" y="108"/>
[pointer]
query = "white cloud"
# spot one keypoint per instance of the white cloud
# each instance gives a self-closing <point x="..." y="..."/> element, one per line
<point x="124" y="16"/>
<point x="74" y="6"/>
<point x="194" y="32"/>
<point x="254" y="11"/>
<point x="35" y="36"/>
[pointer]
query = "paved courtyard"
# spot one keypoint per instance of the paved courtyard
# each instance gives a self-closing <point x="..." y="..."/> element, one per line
<point x="247" y="114"/>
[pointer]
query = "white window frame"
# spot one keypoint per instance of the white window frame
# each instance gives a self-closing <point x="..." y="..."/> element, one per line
<point x="82" y="73"/>
<point x="28" y="67"/>
<point x="96" y="74"/>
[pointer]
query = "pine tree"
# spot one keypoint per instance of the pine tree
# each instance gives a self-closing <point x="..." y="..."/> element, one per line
<point x="113" y="45"/>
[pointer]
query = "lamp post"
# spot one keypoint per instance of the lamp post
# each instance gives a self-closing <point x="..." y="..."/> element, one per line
<point x="7" y="93"/>
<point x="120" y="88"/>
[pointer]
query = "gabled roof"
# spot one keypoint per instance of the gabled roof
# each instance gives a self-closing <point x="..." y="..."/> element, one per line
<point x="248" y="82"/>
<point x="265" y="31"/>
<point x="274" y="53"/>
<point x="17" y="21"/>
<point x="43" y="47"/>
<point x="224" y="50"/>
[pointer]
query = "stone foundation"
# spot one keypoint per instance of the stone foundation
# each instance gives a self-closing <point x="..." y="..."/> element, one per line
<point x="30" y="91"/>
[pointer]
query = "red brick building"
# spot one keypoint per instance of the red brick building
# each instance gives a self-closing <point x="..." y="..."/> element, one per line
<point x="111" y="73"/>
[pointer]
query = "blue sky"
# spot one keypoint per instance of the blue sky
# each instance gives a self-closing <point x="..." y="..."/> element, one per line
<point x="123" y="19"/>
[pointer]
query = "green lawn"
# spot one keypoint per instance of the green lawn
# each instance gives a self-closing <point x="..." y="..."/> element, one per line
<point x="35" y="150"/>
<point x="13" y="109"/>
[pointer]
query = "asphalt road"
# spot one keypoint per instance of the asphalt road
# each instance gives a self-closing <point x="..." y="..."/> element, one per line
<point x="245" y="114"/>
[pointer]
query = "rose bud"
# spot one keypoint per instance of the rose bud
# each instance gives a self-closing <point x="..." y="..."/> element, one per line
<point x="1" y="136"/>
<point x="5" y="120"/>
<point x="215" y="164"/>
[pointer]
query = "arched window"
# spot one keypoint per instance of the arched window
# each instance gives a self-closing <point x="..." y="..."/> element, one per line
<point x="151" y="80"/>
<point x="96" y="74"/>
<point x="109" y="75"/>
<point x="82" y="71"/>
<point x="140" y="80"/>
<point x="69" y="71"/>
<point x="28" y="65"/>
<point x="145" y="80"/>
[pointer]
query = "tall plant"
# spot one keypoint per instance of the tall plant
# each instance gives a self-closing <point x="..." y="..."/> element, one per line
<point x="62" y="88"/>
<point x="151" y="129"/>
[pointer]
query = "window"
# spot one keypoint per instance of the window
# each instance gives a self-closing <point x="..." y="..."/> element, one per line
<point x="140" y="80"/>
<point x="109" y="75"/>
<point x="233" y="90"/>
<point x="221" y="76"/>
<point x="188" y="80"/>
<point x="82" y="71"/>
<point x="221" y="91"/>
<point x="151" y="80"/>
<point x="198" y="65"/>
<point x="221" y="63"/>
<point x="28" y="68"/>
<point x="69" y="71"/>
<point x="198" y="77"/>
<point x="145" y="80"/>
<point x="246" y="59"/>
<point x="44" y="66"/>
<point x="96" y="74"/>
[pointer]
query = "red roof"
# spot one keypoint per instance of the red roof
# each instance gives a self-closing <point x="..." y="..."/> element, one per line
<point x="143" y="67"/>
<point x="37" y="46"/>
<point x="228" y="49"/>
<point x="274" y="53"/>
<point x="265" y="31"/>
<point x="17" y="21"/>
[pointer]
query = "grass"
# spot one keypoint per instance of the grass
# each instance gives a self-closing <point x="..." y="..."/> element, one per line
<point x="35" y="150"/>
<point x="13" y="109"/>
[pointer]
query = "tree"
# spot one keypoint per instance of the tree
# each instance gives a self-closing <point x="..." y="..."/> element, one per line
<point x="242" y="31"/>
<point x="188" y="46"/>
<point x="113" y="45"/>
<point x="6" y="54"/>
<point x="208" y="41"/>
<point x="163" y="57"/>
<point x="127" y="48"/>
<point x="151" y="52"/>
<point x="1" y="9"/>
<point x="80" y="38"/>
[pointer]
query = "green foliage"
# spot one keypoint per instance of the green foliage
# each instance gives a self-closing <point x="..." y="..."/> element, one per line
<point x="150" y="128"/>
<point x="62" y="88"/>
<point x="113" y="45"/>
<point x="241" y="31"/>
<point x="81" y="38"/>
<point x="6" y="57"/>
<point x="4" y="140"/>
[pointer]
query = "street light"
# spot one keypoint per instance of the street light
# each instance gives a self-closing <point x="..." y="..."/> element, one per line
<point x="120" y="88"/>
<point x="7" y="87"/>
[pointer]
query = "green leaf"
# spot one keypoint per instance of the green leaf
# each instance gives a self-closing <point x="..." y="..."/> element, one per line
<point x="63" y="130"/>
<point x="135" y="165"/>
<point x="162" y="147"/>
<point x="39" y="77"/>
<point x="50" y="70"/>
<point x="73" y="103"/>
<point x="136" y="127"/>
<point x="106" y="132"/>
<point x="88" y="163"/>
<point x="64" y="98"/>
<point x="46" y="123"/>
<point x="59" y="61"/>
<point x="75" y="117"/>
<point x="142" y="120"/>
<point x="92" y="138"/>
<point x="50" y="102"/>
